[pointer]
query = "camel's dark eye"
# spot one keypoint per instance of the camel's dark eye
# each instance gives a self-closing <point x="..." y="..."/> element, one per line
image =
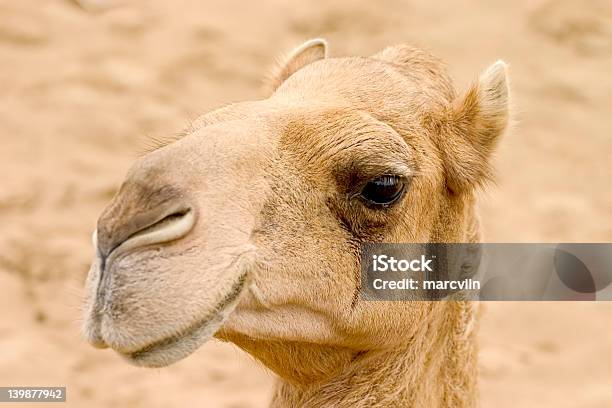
<point x="383" y="191"/>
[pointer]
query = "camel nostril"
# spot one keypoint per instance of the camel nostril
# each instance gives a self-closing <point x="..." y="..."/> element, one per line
<point x="148" y="229"/>
<point x="168" y="228"/>
<point x="171" y="227"/>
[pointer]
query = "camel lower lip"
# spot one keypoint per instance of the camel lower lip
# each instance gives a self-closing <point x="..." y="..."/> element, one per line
<point x="171" y="349"/>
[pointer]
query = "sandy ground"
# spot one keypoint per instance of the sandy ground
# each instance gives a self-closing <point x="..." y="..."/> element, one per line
<point x="83" y="91"/>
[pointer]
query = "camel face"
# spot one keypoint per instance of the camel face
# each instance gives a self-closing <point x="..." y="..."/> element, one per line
<point x="250" y="226"/>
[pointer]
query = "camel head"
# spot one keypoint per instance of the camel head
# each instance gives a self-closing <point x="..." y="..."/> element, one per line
<point x="249" y="227"/>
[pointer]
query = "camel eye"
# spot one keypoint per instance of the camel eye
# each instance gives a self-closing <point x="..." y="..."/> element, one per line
<point x="383" y="191"/>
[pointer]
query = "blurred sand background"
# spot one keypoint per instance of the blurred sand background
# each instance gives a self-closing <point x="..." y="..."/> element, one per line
<point x="82" y="91"/>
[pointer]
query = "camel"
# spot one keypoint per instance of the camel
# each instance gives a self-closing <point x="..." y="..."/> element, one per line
<point x="248" y="228"/>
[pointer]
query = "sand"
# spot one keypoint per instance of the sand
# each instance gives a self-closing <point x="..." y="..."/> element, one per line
<point x="84" y="90"/>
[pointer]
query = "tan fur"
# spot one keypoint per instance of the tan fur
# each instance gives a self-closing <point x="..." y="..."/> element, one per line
<point x="265" y="252"/>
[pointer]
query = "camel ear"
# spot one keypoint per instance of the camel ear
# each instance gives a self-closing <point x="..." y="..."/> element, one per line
<point x="478" y="120"/>
<point x="307" y="53"/>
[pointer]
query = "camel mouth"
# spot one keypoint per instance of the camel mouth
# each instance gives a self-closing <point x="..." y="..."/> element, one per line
<point x="171" y="349"/>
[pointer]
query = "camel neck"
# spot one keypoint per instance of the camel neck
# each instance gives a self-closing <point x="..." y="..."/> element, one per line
<point x="436" y="369"/>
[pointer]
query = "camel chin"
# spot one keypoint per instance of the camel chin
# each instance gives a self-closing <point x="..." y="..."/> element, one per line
<point x="169" y="350"/>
